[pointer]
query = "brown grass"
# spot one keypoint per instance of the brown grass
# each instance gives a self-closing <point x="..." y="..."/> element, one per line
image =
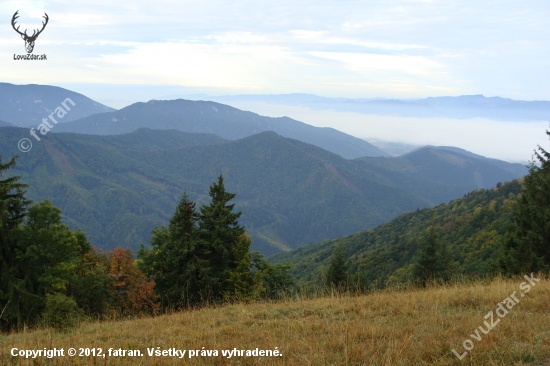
<point x="414" y="327"/>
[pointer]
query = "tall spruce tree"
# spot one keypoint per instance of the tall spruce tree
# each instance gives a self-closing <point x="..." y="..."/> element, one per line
<point x="527" y="242"/>
<point x="13" y="209"/>
<point x="337" y="273"/>
<point x="202" y="257"/>
<point x="178" y="260"/>
<point x="220" y="229"/>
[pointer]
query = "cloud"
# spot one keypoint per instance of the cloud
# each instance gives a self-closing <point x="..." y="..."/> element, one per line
<point x="401" y="49"/>
<point x="368" y="63"/>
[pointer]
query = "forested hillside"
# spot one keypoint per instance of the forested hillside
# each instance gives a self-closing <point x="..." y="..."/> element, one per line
<point x="472" y="227"/>
<point x="290" y="193"/>
<point x="118" y="188"/>
<point x="52" y="276"/>
<point x="222" y="120"/>
<point x="441" y="174"/>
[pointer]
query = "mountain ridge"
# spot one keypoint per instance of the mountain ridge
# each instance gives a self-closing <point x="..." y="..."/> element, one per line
<point x="27" y="105"/>
<point x="291" y="193"/>
<point x="461" y="107"/>
<point x="211" y="117"/>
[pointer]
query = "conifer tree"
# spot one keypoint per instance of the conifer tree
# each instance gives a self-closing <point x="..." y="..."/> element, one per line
<point x="527" y="242"/>
<point x="202" y="257"/>
<point x="178" y="259"/>
<point x="337" y="273"/>
<point x="433" y="261"/>
<point x="219" y="228"/>
<point x="240" y="285"/>
<point x="13" y="209"/>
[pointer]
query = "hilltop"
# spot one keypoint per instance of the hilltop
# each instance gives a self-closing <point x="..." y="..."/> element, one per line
<point x="27" y="105"/>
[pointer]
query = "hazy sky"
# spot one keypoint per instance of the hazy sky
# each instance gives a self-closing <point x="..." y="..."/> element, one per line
<point x="121" y="52"/>
<point x="331" y="48"/>
<point x="510" y="141"/>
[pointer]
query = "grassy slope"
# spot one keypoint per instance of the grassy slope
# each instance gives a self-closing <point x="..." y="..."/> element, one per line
<point x="418" y="327"/>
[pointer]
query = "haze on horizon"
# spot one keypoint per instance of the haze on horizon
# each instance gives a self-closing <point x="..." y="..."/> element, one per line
<point x="119" y="53"/>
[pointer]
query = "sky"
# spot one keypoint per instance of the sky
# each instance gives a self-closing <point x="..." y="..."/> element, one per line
<point x="504" y="140"/>
<point x="404" y="49"/>
<point x="120" y="52"/>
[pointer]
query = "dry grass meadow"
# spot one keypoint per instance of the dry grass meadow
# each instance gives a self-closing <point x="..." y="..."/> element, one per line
<point x="413" y="327"/>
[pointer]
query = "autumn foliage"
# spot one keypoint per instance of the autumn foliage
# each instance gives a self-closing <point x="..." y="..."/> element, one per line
<point x="132" y="291"/>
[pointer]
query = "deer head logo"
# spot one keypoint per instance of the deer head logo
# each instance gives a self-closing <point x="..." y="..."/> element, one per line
<point x="29" y="40"/>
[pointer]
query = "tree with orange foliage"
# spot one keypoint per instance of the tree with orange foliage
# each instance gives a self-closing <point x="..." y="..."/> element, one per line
<point x="133" y="293"/>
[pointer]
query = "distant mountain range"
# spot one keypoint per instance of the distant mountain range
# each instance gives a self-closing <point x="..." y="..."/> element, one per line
<point x="27" y="105"/>
<point x="118" y="174"/>
<point x="466" y="106"/>
<point x="117" y="188"/>
<point x="225" y="121"/>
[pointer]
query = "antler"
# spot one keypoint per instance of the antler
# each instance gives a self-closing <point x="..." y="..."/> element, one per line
<point x="34" y="34"/>
<point x="15" y="16"/>
<point x="43" y="25"/>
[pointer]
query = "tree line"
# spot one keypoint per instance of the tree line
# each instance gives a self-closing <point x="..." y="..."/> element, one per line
<point x="203" y="257"/>
<point x="53" y="276"/>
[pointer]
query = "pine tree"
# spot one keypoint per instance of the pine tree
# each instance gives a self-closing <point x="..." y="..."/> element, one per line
<point x="433" y="261"/>
<point x="337" y="273"/>
<point x="202" y="257"/>
<point x="178" y="260"/>
<point x="219" y="228"/>
<point x="13" y="209"/>
<point x="527" y="243"/>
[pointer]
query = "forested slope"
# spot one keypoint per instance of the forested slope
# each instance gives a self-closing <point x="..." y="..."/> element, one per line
<point x="472" y="228"/>
<point x="290" y="193"/>
<point x="441" y="174"/>
<point x="117" y="188"/>
<point x="222" y="120"/>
